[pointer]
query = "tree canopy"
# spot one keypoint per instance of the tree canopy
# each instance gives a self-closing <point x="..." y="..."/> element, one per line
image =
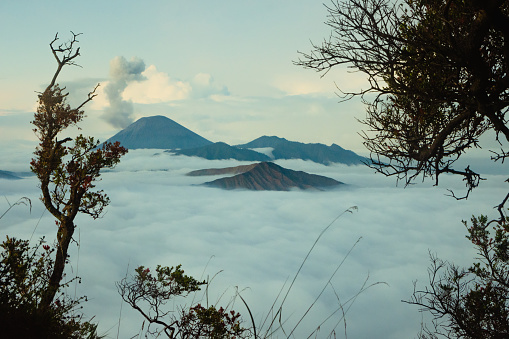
<point x="67" y="173"/>
<point x="438" y="79"/>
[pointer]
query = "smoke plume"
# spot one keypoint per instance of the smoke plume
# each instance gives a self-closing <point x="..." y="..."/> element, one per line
<point x="120" y="111"/>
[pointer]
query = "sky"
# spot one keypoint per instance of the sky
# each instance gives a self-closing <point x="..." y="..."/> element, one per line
<point x="224" y="69"/>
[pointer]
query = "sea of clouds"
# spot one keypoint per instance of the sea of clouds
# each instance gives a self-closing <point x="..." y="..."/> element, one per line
<point x="256" y="241"/>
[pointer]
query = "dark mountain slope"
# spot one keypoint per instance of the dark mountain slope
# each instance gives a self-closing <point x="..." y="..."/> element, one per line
<point x="269" y="176"/>
<point x="221" y="171"/>
<point x="222" y="151"/>
<point x="158" y="132"/>
<point x="8" y="175"/>
<point x="264" y="141"/>
<point x="320" y="153"/>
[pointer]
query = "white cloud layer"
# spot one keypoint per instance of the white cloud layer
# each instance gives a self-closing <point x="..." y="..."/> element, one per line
<point x="258" y="240"/>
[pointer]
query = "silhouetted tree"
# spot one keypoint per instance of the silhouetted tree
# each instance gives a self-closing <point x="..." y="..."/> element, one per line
<point x="67" y="174"/>
<point x="438" y="74"/>
<point x="438" y="78"/>
<point x="24" y="275"/>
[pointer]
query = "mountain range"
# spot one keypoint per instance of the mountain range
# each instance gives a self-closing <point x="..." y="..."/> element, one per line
<point x="161" y="132"/>
<point x="267" y="176"/>
<point x="319" y="153"/>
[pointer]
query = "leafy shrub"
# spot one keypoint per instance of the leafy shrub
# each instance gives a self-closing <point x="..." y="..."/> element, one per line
<point x="471" y="302"/>
<point x="148" y="294"/>
<point x="24" y="276"/>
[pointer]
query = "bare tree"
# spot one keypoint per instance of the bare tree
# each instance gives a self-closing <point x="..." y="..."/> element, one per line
<point x="474" y="302"/>
<point x="67" y="174"/>
<point x="438" y="74"/>
<point x="438" y="79"/>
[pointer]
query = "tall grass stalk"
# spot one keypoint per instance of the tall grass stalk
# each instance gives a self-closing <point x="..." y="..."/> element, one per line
<point x="21" y="201"/>
<point x="277" y="322"/>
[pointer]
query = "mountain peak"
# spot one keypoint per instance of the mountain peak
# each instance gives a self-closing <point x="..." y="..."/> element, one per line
<point x="264" y="141"/>
<point x="158" y="132"/>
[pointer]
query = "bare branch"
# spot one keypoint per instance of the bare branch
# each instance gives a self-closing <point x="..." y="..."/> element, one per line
<point x="438" y="77"/>
<point x="90" y="97"/>
<point x="64" y="55"/>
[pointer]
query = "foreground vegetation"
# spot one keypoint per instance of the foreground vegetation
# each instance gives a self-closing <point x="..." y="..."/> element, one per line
<point x="438" y="81"/>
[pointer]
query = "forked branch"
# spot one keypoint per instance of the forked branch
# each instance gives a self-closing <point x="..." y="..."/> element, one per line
<point x="64" y="54"/>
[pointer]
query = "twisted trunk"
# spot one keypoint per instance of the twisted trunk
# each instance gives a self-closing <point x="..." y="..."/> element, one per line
<point x="64" y="236"/>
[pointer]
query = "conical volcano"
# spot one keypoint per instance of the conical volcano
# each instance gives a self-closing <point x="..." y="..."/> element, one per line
<point x="158" y="132"/>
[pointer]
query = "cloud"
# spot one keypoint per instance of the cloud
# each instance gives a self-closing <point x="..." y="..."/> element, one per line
<point x="123" y="70"/>
<point x="259" y="239"/>
<point x="333" y="82"/>
<point x="155" y="88"/>
<point x="204" y="86"/>
<point x="133" y="83"/>
<point x="291" y="85"/>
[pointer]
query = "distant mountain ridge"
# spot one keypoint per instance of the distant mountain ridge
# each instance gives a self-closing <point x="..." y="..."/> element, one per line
<point x="267" y="176"/>
<point x="264" y="141"/>
<point x="8" y="175"/>
<point x="222" y="151"/>
<point x="161" y="132"/>
<point x="158" y="132"/>
<point x="319" y="153"/>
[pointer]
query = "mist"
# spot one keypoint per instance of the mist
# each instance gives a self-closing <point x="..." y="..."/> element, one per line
<point x="256" y="241"/>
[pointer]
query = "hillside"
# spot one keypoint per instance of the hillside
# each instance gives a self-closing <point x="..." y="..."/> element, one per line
<point x="319" y="153"/>
<point x="221" y="171"/>
<point x="267" y="176"/>
<point x="222" y="151"/>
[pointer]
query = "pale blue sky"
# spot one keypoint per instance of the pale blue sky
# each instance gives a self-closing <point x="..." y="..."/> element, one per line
<point x="246" y="48"/>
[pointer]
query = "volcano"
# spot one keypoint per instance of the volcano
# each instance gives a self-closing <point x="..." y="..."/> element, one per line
<point x="158" y="132"/>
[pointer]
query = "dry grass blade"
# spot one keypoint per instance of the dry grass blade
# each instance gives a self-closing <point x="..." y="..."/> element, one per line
<point x="278" y="316"/>
<point x="21" y="201"/>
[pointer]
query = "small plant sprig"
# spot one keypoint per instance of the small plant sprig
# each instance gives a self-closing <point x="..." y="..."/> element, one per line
<point x="148" y="294"/>
<point x="470" y="302"/>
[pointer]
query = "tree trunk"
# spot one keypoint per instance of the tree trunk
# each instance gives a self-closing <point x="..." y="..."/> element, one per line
<point x="64" y="237"/>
